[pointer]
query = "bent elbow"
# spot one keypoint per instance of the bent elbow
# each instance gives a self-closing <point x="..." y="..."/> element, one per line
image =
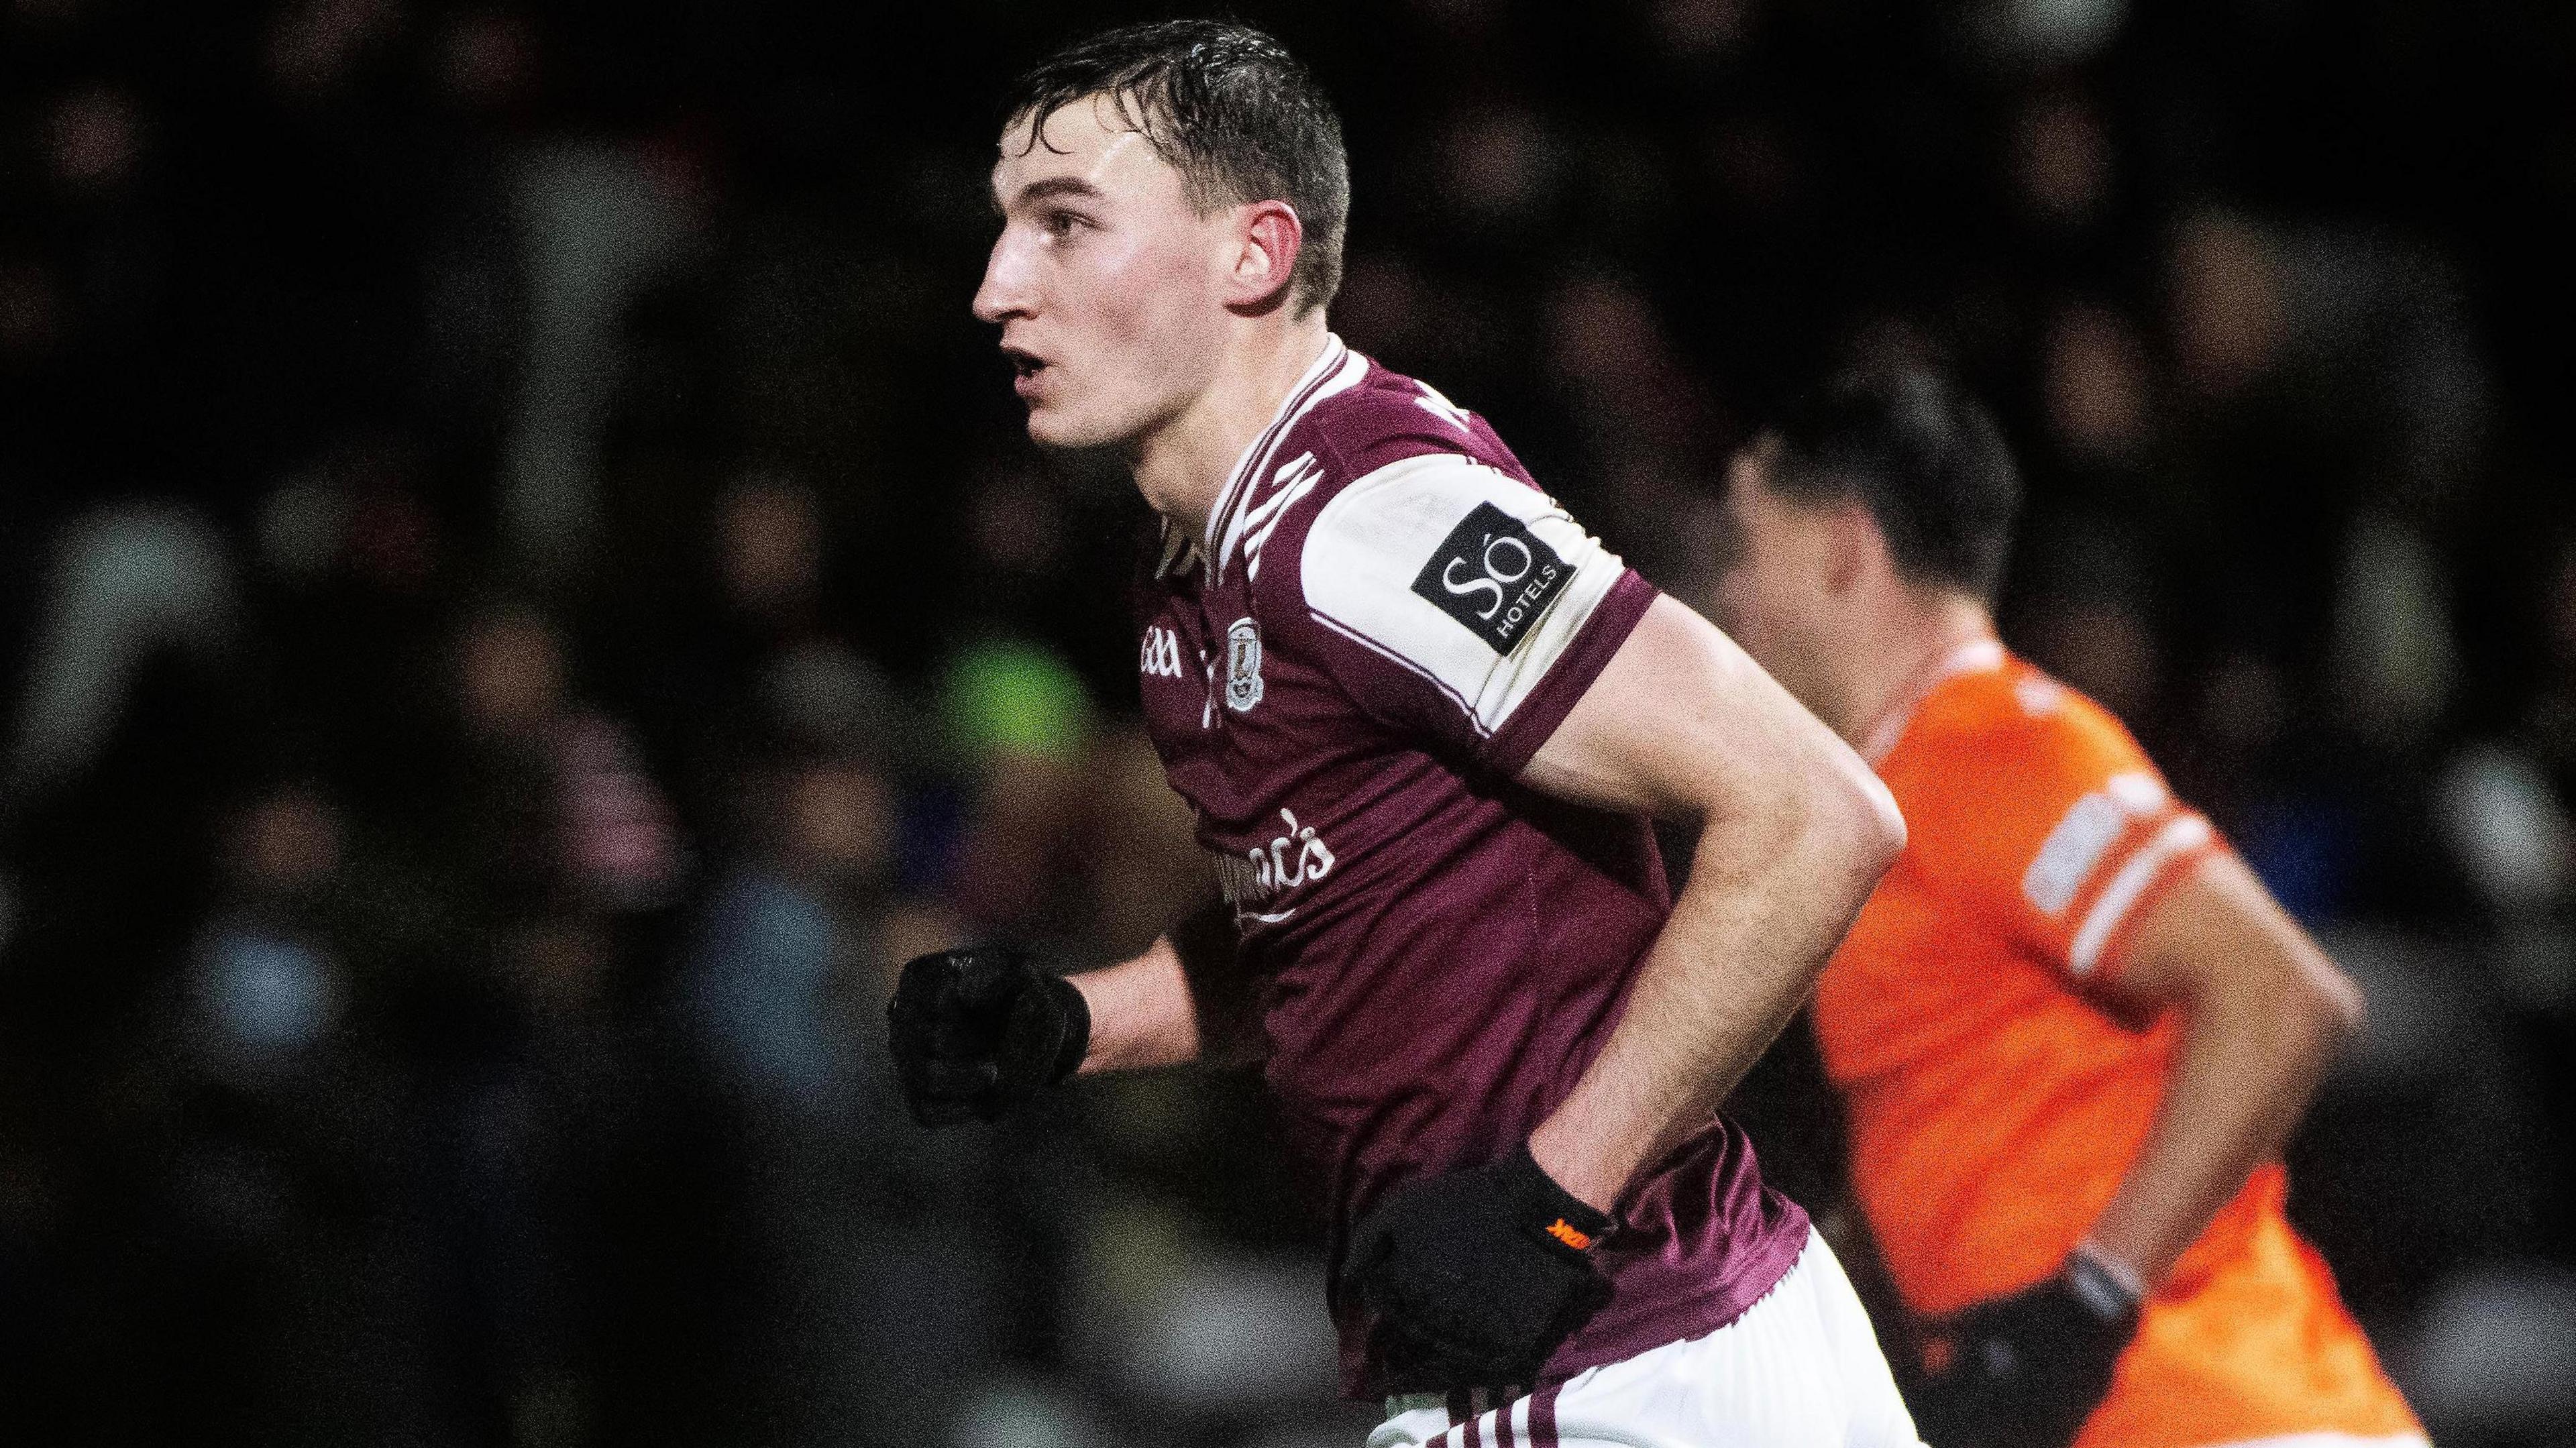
<point x="1886" y="822"/>
<point x="2338" y="1003"/>
<point x="2318" y="1004"/>
<point x="1859" y="821"/>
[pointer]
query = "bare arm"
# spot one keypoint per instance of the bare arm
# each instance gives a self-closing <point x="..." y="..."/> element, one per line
<point x="2263" y="1012"/>
<point x="1181" y="1001"/>
<point x="1794" y="832"/>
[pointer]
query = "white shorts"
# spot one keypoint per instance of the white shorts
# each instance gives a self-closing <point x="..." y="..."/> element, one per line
<point x="1800" y="1369"/>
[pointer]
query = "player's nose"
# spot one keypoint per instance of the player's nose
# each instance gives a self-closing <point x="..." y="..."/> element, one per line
<point x="1005" y="291"/>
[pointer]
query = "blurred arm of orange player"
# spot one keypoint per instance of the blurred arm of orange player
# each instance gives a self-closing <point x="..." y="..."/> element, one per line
<point x="1181" y="1001"/>
<point x="2262" y="1013"/>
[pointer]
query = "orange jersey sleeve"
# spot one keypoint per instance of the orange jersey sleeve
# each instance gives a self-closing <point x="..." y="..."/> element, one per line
<point x="2044" y="819"/>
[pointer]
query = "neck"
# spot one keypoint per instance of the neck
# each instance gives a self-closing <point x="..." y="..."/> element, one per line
<point x="1904" y="647"/>
<point x="1181" y="466"/>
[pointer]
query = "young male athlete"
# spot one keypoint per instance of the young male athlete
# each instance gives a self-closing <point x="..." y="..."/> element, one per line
<point x="1423" y="720"/>
<point x="2072" y="1028"/>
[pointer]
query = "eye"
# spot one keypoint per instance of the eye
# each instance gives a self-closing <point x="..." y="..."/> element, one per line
<point x="1062" y="224"/>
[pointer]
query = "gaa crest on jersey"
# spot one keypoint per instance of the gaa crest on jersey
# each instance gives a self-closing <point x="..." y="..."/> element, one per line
<point x="1493" y="576"/>
<point x="1242" y="665"/>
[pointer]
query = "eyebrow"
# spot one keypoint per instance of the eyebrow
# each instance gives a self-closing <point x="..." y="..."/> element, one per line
<point x="1054" y="186"/>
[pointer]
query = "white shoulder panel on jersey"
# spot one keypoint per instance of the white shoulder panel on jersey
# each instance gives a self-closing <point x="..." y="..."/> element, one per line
<point x="1466" y="576"/>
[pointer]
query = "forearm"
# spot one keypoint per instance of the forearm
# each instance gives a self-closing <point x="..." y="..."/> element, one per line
<point x="1140" y="1013"/>
<point x="1179" y="1002"/>
<point x="1735" y="961"/>
<point x="2245" y="1068"/>
<point x="1794" y="832"/>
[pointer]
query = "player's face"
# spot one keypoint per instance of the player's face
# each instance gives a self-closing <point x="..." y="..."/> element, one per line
<point x="1773" y="591"/>
<point x="1104" y="281"/>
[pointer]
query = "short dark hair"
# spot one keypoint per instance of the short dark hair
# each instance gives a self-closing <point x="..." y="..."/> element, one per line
<point x="1231" y="110"/>
<point x="1921" y="454"/>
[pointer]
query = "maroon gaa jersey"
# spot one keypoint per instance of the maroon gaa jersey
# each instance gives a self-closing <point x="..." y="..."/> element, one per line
<point x="1383" y="621"/>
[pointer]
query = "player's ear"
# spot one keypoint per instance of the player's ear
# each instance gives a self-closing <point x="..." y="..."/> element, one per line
<point x="1268" y="239"/>
<point x="1854" y="547"/>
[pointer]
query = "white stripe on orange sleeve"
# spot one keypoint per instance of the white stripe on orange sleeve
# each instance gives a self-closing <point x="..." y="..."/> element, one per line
<point x="2176" y="839"/>
<point x="2083" y="838"/>
<point x="2331" y="1440"/>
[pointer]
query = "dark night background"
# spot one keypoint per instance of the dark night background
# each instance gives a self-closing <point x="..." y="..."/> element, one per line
<point x="524" y="595"/>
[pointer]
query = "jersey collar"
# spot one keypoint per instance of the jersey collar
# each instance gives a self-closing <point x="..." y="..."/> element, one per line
<point x="1326" y="365"/>
<point x="1978" y="656"/>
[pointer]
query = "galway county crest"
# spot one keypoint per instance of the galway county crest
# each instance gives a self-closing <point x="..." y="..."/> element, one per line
<point x="1242" y="665"/>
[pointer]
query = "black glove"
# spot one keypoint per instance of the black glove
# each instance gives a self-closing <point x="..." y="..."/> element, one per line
<point x="1476" y="1276"/>
<point x="2025" y="1371"/>
<point x="979" y="1030"/>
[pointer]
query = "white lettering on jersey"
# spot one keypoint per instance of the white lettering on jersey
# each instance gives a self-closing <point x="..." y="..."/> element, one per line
<point x="1261" y="876"/>
<point x="1441" y="564"/>
<point x="1160" y="655"/>
<point x="1490" y="559"/>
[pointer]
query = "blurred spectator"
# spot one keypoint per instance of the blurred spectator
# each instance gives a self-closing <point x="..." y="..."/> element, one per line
<point x="1020" y="721"/>
<point x="2062" y="161"/>
<point x="267" y="992"/>
<point x="597" y="222"/>
<point x="552" y="807"/>
<point x="1145" y="861"/>
<point x="2042" y="33"/>
<point x="2549" y="720"/>
<point x="784" y="986"/>
<point x="126" y="583"/>
<point x="2339" y="404"/>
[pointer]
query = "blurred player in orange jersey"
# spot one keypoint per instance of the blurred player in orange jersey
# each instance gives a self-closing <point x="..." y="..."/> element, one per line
<point x="2071" y="1026"/>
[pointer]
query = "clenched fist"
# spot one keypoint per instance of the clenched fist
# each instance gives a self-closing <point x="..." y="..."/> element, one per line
<point x="979" y="1030"/>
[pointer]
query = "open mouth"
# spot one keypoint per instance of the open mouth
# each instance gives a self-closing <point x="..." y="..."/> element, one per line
<point x="1024" y="364"/>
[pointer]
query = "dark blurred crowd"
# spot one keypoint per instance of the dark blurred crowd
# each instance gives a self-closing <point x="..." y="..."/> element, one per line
<point x="525" y="598"/>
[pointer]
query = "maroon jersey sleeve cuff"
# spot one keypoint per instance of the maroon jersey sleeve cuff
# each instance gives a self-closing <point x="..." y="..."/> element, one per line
<point x="1613" y="619"/>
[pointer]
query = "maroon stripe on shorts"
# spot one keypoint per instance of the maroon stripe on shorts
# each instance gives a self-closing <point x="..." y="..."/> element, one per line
<point x="1543" y="1419"/>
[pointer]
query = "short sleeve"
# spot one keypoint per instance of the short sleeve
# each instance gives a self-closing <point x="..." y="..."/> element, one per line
<point x="1466" y="602"/>
<point x="2066" y="832"/>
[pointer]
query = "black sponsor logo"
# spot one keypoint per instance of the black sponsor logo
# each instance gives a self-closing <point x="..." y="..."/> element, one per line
<point x="1494" y="576"/>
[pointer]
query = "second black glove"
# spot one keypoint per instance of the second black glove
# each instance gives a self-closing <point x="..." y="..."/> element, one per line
<point x="1475" y="1276"/>
<point x="2026" y="1371"/>
<point x="978" y="1030"/>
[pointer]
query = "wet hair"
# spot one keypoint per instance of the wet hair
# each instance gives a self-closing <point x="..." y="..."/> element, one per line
<point x="1922" y="455"/>
<point x="1230" y="109"/>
